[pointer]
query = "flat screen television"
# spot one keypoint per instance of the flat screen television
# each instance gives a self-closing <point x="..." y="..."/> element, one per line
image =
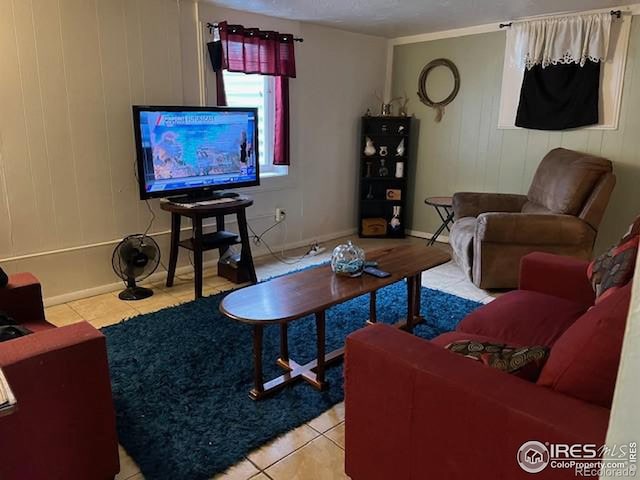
<point x="193" y="152"/>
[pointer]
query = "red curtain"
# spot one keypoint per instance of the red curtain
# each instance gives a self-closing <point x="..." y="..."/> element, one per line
<point x="250" y="50"/>
<point x="281" y="141"/>
<point x="255" y="51"/>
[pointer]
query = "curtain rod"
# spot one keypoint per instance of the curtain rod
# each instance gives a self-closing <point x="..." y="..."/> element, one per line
<point x="614" y="13"/>
<point x="211" y="26"/>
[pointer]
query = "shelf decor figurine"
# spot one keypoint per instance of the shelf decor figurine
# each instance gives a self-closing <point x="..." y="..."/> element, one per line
<point x="395" y="220"/>
<point x="348" y="260"/>
<point x="383" y="171"/>
<point x="369" y="148"/>
<point x="370" y="194"/>
<point x="400" y="148"/>
<point x="399" y="169"/>
<point x="386" y="108"/>
<point x="394" y="194"/>
<point x="384" y="151"/>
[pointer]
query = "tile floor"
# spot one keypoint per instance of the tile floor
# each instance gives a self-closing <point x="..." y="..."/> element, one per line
<point x="312" y="451"/>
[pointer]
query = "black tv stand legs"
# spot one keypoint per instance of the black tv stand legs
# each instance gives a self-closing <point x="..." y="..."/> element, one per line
<point x="173" y="254"/>
<point x="220" y="240"/>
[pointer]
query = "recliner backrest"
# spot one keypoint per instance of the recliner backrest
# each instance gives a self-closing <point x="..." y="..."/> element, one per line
<point x="566" y="182"/>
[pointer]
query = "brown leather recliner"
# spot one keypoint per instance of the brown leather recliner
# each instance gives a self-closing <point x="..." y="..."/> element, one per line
<point x="560" y="214"/>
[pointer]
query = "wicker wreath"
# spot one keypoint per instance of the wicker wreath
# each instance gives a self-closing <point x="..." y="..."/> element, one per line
<point x="422" y="86"/>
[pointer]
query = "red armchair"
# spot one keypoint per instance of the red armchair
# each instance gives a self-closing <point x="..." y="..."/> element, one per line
<point x="416" y="410"/>
<point x="64" y="425"/>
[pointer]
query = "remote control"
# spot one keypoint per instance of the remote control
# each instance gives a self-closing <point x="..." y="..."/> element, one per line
<point x="376" y="273"/>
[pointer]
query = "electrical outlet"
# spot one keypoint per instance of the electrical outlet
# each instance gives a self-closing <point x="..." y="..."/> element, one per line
<point x="280" y="214"/>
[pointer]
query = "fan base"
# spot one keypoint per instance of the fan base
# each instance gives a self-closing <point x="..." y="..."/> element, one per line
<point x="135" y="293"/>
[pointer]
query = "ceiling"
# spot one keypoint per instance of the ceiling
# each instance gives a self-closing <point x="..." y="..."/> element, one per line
<point x="396" y="18"/>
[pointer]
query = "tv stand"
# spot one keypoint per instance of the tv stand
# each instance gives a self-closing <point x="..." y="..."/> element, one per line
<point x="202" y="197"/>
<point x="220" y="239"/>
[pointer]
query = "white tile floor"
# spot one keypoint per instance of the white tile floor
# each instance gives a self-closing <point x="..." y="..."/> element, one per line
<point x="312" y="451"/>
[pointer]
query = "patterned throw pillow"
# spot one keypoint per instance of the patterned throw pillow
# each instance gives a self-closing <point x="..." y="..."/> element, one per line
<point x="525" y="362"/>
<point x="614" y="269"/>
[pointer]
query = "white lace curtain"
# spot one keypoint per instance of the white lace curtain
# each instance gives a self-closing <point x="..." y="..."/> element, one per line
<point x="554" y="40"/>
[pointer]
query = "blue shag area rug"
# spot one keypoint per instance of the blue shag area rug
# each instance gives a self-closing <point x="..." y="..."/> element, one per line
<point x="181" y="378"/>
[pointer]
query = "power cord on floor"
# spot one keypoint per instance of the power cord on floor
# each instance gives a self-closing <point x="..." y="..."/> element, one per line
<point x="259" y="240"/>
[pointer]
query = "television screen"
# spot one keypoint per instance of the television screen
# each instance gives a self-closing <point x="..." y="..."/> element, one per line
<point x="190" y="150"/>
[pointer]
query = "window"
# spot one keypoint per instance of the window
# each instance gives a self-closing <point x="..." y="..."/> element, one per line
<point x="256" y="91"/>
<point x="611" y="80"/>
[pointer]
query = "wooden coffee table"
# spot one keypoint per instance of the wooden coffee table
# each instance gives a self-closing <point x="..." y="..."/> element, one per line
<point x="285" y="299"/>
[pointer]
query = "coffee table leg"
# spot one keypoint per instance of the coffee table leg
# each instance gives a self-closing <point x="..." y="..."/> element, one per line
<point x="320" y="330"/>
<point x="284" y="343"/>
<point x="373" y="314"/>
<point x="411" y="302"/>
<point x="418" y="287"/>
<point x="258" y="385"/>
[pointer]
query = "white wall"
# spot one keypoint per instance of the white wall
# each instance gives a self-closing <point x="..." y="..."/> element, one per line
<point x="71" y="70"/>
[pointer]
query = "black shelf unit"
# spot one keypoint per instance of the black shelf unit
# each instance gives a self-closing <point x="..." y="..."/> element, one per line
<point x="374" y="203"/>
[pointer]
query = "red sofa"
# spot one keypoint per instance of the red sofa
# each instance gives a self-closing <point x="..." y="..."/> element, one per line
<point x="64" y="425"/>
<point x="415" y="410"/>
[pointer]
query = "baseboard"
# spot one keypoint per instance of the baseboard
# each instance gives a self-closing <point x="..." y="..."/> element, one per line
<point x="185" y="269"/>
<point x="113" y="287"/>
<point x="417" y="233"/>
<point x="319" y="239"/>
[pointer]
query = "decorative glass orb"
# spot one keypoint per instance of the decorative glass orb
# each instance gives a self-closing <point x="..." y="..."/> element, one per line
<point x="348" y="260"/>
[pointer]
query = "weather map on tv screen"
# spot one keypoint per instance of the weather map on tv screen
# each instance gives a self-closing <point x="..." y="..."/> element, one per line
<point x="190" y="149"/>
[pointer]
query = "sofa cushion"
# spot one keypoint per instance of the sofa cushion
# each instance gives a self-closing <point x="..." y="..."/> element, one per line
<point x="522" y="318"/>
<point x="584" y="361"/>
<point x="565" y="179"/>
<point x="614" y="269"/>
<point x="526" y="362"/>
<point x="461" y="240"/>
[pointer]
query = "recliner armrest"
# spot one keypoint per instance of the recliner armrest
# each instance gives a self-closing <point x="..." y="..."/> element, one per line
<point x="533" y="229"/>
<point x="470" y="204"/>
<point x="21" y="299"/>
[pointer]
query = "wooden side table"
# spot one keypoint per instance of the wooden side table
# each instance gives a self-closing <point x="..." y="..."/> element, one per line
<point x="7" y="399"/>
<point x="201" y="242"/>
<point x="444" y="207"/>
